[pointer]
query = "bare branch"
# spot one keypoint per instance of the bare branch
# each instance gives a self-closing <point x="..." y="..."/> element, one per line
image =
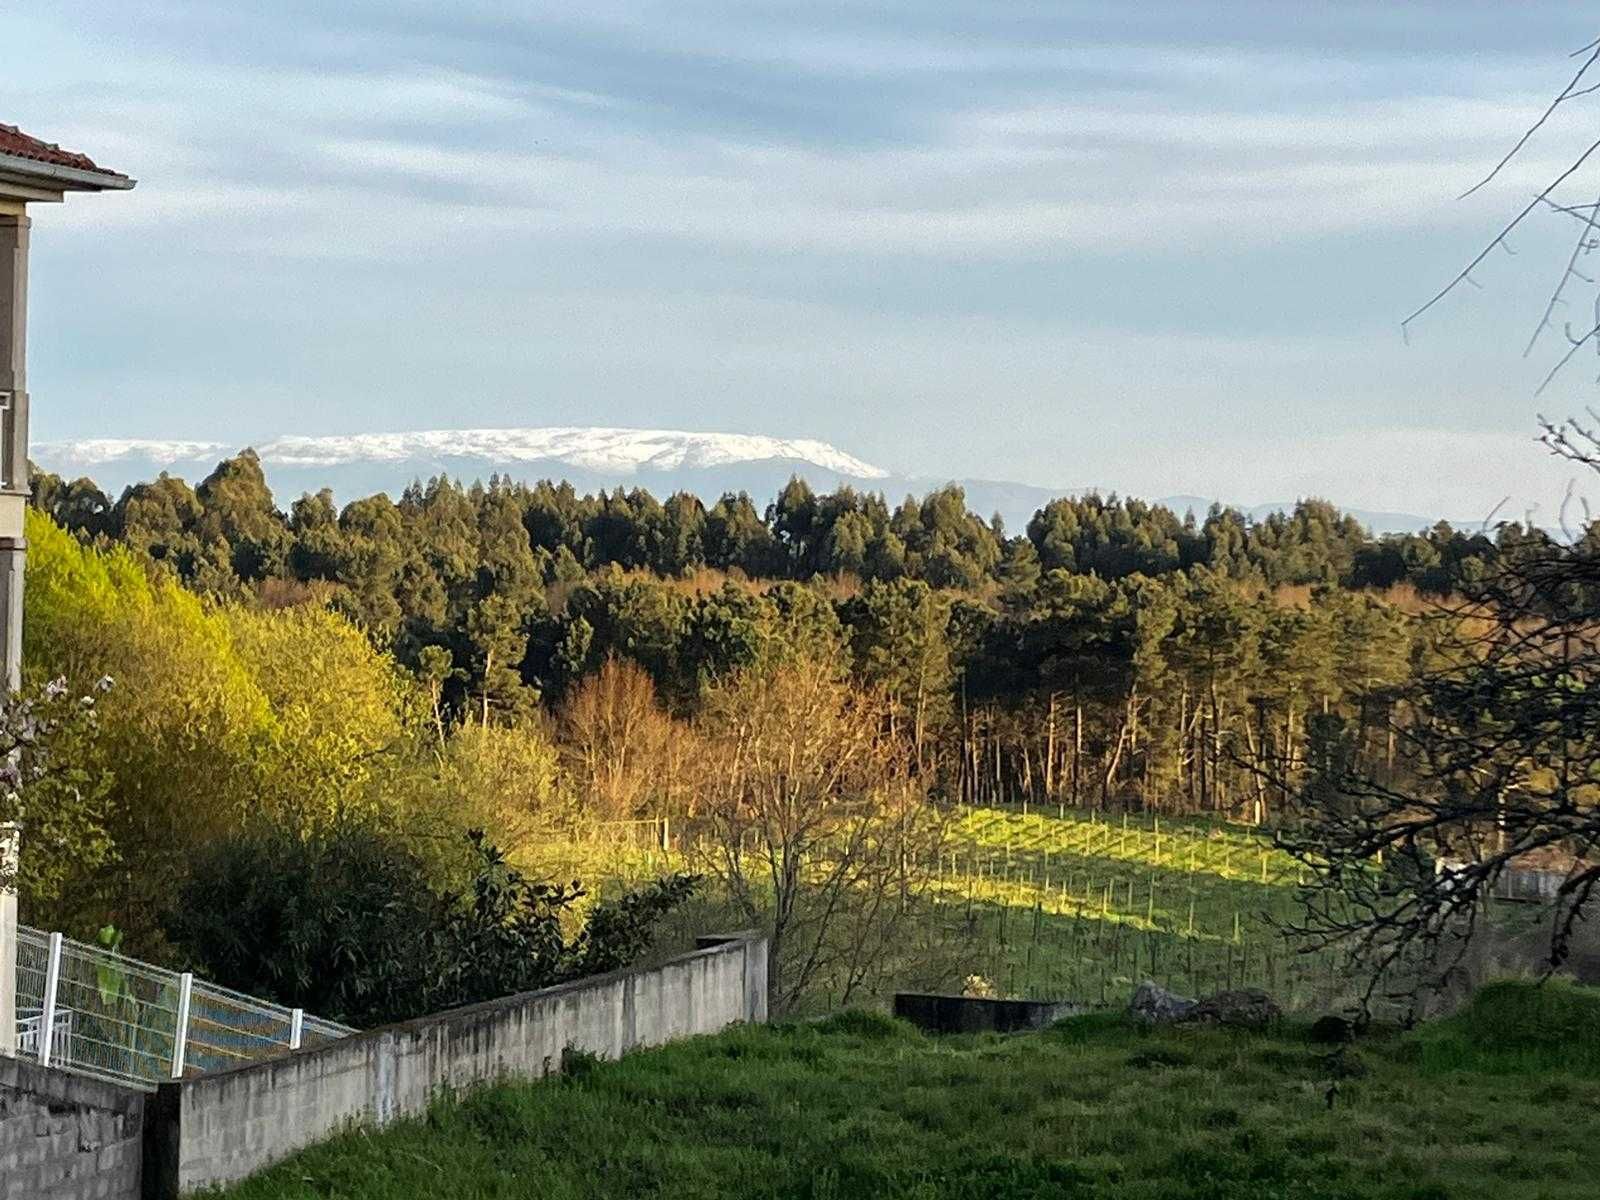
<point x="1567" y="93"/>
<point x="1500" y="237"/>
<point x="1582" y="246"/>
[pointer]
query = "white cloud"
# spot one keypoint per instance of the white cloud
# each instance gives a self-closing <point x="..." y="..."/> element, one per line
<point x="1102" y="171"/>
<point x="439" y="205"/>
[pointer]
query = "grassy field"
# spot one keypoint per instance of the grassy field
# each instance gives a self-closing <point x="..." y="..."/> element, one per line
<point x="1068" y="905"/>
<point x="1502" y="1101"/>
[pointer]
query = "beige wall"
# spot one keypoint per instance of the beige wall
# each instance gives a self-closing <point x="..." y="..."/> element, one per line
<point x="218" y="1128"/>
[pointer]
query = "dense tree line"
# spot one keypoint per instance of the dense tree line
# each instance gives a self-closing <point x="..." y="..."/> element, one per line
<point x="471" y="585"/>
<point x="1113" y="652"/>
<point x="502" y="536"/>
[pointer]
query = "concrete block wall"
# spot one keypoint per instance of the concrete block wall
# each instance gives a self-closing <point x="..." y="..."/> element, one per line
<point x="67" y="1137"/>
<point x="219" y="1128"/>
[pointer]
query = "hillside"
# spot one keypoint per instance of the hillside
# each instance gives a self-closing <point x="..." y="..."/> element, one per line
<point x="860" y="1106"/>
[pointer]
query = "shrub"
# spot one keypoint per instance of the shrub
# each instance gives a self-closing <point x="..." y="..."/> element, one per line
<point x="1519" y="1014"/>
<point x="350" y="926"/>
<point x="338" y="925"/>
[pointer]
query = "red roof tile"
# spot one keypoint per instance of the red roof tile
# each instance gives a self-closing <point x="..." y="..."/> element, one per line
<point x="19" y="145"/>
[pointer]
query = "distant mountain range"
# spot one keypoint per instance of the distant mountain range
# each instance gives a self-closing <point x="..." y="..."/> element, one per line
<point x="660" y="460"/>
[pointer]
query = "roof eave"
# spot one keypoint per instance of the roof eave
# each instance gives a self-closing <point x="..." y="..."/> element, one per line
<point x="59" y="178"/>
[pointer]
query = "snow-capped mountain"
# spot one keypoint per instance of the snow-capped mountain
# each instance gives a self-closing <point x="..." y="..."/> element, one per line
<point x="612" y="451"/>
<point x="660" y="460"/>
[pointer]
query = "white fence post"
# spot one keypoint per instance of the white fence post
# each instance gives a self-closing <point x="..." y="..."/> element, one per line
<point x="297" y="1021"/>
<point x="8" y="939"/>
<point x="52" y="982"/>
<point x="180" y="1039"/>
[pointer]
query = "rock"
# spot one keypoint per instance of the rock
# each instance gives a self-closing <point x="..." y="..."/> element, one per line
<point x="1153" y="1003"/>
<point x="1247" y="1008"/>
<point x="1332" y="1030"/>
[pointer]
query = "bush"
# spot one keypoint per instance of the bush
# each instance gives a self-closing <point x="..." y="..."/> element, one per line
<point x="338" y="925"/>
<point x="350" y="926"/>
<point x="1519" y="1014"/>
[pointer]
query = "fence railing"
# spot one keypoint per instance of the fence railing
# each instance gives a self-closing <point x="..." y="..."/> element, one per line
<point x="90" y="1010"/>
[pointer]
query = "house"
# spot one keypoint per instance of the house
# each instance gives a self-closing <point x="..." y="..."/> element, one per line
<point x="31" y="172"/>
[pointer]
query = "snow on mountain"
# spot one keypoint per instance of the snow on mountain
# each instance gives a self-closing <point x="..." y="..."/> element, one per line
<point x="599" y="450"/>
<point x="661" y="460"/>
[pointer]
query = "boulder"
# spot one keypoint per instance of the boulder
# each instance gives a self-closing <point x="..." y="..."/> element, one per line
<point x="1246" y="1008"/>
<point x="1153" y="1003"/>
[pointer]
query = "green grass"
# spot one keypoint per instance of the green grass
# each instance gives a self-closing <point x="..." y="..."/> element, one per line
<point x="1514" y="1027"/>
<point x="859" y="1105"/>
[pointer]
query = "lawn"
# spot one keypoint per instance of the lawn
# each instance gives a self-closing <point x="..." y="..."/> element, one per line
<point x="1503" y="1101"/>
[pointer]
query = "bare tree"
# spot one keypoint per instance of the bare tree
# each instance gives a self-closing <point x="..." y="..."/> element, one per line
<point x="1500" y="734"/>
<point x="1552" y="199"/>
<point x="812" y="818"/>
<point x="622" y="747"/>
<point x="1501" y="741"/>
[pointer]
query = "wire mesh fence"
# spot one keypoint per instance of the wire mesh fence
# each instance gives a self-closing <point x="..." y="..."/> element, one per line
<point x="90" y="1010"/>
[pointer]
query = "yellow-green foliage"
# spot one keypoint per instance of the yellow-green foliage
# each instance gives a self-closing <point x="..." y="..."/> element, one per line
<point x="337" y="710"/>
<point x="216" y="715"/>
<point x="507" y="780"/>
<point x="177" y="728"/>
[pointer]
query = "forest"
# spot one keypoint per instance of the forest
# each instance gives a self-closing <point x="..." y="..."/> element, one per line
<point x="1108" y="653"/>
<point x="826" y="679"/>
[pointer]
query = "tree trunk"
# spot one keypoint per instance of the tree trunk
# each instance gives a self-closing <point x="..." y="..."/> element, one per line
<point x="1077" y="744"/>
<point x="1050" y="750"/>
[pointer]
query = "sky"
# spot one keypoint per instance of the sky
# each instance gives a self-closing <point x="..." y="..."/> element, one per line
<point x="1158" y="248"/>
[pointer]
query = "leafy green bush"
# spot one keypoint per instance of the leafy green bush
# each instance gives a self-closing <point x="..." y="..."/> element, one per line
<point x="350" y="925"/>
<point x="336" y="925"/>
<point x="1523" y="1015"/>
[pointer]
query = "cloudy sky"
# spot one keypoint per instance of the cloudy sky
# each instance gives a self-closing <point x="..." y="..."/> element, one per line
<point x="1160" y="248"/>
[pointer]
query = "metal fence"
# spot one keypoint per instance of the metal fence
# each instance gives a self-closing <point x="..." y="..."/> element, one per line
<point x="87" y="1009"/>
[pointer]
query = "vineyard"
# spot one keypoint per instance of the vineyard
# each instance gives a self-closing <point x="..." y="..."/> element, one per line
<point x="1055" y="903"/>
<point x="1083" y="907"/>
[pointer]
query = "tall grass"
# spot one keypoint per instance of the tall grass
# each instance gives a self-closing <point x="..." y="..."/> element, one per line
<point x="863" y="1106"/>
<point x="1517" y="1027"/>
